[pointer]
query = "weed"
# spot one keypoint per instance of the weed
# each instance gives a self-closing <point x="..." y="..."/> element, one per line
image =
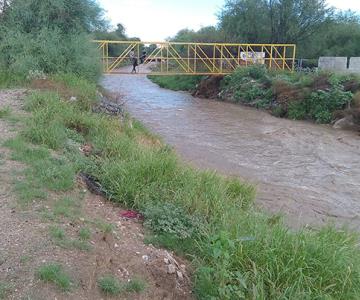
<point x="84" y="234"/>
<point x="79" y="244"/>
<point x="25" y="258"/>
<point x="54" y="273"/>
<point x="135" y="285"/>
<point x="57" y="233"/>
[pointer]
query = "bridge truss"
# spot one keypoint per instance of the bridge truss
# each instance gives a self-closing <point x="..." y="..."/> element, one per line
<point x="176" y="58"/>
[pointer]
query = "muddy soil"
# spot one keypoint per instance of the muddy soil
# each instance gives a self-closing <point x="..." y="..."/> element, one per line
<point x="25" y="243"/>
<point x="308" y="172"/>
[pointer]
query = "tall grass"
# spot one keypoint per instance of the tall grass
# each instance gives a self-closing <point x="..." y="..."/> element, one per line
<point x="238" y="251"/>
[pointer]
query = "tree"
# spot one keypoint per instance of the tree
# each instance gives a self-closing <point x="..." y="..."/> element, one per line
<point x="273" y="21"/>
<point x="65" y="15"/>
<point x="50" y="36"/>
<point x="120" y="31"/>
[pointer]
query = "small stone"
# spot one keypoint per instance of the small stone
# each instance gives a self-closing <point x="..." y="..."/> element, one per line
<point x="73" y="99"/>
<point x="116" y="245"/>
<point x="171" y="269"/>
<point x="137" y="253"/>
<point x="182" y="267"/>
<point x="145" y="257"/>
<point x="180" y="275"/>
<point x="82" y="219"/>
<point x="166" y="260"/>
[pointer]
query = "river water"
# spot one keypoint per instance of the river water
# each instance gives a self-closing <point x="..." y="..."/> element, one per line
<point x="308" y="172"/>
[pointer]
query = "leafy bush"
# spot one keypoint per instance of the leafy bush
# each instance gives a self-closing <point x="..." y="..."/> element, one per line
<point x="172" y="219"/>
<point x="320" y="105"/>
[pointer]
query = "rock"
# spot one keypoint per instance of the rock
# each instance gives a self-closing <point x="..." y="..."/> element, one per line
<point x="166" y="260"/>
<point x="180" y="275"/>
<point x="345" y="123"/>
<point x="171" y="269"/>
<point x="73" y="99"/>
<point x="116" y="245"/>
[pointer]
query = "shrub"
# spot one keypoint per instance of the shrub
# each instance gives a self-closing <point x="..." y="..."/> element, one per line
<point x="320" y="105"/>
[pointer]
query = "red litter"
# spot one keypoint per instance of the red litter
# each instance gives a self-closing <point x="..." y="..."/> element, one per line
<point x="131" y="214"/>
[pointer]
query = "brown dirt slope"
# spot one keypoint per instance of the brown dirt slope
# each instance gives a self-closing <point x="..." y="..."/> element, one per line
<point x="25" y="243"/>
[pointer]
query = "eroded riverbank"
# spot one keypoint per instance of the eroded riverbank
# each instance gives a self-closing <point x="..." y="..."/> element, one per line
<point x="311" y="173"/>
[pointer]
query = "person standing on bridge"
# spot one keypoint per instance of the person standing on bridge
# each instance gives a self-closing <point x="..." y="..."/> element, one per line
<point x="134" y="61"/>
<point x="143" y="57"/>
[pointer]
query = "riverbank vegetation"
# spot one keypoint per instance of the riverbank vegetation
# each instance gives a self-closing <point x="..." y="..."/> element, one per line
<point x="235" y="248"/>
<point x="177" y="82"/>
<point x="237" y="251"/>
<point x="322" y="97"/>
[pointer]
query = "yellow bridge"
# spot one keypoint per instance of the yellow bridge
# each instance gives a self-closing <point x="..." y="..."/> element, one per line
<point x="176" y="58"/>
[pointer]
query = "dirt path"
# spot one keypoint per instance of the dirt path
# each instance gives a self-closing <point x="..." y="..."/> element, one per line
<point x="115" y="246"/>
<point x="309" y="172"/>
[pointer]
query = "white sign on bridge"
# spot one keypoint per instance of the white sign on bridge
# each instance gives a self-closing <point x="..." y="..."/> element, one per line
<point x="253" y="57"/>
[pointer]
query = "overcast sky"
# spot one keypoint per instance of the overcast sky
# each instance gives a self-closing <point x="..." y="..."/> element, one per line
<point x="155" y="20"/>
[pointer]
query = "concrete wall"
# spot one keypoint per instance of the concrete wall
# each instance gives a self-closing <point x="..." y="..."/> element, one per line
<point x="354" y="66"/>
<point x="339" y="64"/>
<point x="333" y="63"/>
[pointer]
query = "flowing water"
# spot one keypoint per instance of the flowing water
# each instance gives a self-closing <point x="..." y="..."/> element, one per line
<point x="308" y="172"/>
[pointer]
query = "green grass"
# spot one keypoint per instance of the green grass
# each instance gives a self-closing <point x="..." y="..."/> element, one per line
<point x="110" y="285"/>
<point x="55" y="274"/>
<point x="237" y="251"/>
<point x="66" y="207"/>
<point x="84" y="234"/>
<point x="57" y="233"/>
<point x="176" y="82"/>
<point x="28" y="191"/>
<point x="59" y="236"/>
<point x="11" y="80"/>
<point x="135" y="285"/>
<point x="4" y="289"/>
<point x="5" y="112"/>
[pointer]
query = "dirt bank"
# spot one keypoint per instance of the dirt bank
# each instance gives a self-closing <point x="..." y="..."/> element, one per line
<point x="115" y="247"/>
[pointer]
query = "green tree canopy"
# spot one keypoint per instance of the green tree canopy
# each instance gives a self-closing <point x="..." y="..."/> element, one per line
<point x="50" y="36"/>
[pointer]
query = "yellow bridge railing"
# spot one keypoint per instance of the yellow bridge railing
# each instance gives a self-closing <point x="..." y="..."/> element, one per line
<point x="176" y="58"/>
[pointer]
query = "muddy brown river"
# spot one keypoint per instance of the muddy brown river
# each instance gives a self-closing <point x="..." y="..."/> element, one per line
<point x="308" y="172"/>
